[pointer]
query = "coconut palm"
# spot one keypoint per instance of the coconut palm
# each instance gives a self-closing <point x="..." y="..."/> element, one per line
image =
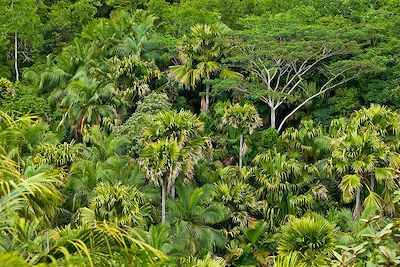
<point x="244" y="118"/>
<point x="200" y="53"/>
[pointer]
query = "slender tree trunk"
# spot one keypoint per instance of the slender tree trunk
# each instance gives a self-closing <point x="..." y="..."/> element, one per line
<point x="207" y="97"/>
<point x="372" y="180"/>
<point x="241" y="150"/>
<point x="203" y="104"/>
<point x="163" y="201"/>
<point x="16" y="56"/>
<point x="357" y="208"/>
<point x="273" y="118"/>
<point x="173" y="191"/>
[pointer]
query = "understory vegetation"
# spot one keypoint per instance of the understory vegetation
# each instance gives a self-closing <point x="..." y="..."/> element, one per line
<point x="205" y="133"/>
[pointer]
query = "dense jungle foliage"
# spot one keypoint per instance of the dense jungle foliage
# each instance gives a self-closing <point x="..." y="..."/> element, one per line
<point x="202" y="133"/>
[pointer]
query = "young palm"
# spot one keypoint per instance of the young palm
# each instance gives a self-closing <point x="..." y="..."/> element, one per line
<point x="313" y="238"/>
<point x="287" y="185"/>
<point x="23" y="194"/>
<point x="194" y="217"/>
<point x="244" y="118"/>
<point x="200" y="53"/>
<point x="118" y="203"/>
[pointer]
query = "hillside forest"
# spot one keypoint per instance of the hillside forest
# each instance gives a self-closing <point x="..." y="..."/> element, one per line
<point x="200" y="133"/>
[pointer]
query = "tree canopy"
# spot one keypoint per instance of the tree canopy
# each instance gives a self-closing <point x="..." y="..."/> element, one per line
<point x="200" y="133"/>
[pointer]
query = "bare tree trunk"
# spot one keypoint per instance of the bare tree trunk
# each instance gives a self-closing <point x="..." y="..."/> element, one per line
<point x="357" y="208"/>
<point x="163" y="201"/>
<point x="241" y="150"/>
<point x="203" y="104"/>
<point x="207" y="97"/>
<point x="372" y="181"/>
<point x="273" y="118"/>
<point x="16" y="56"/>
<point x="173" y="191"/>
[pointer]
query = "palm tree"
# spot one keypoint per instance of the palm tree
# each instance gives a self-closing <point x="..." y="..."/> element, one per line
<point x="162" y="162"/>
<point x="242" y="117"/>
<point x="103" y="159"/>
<point x="313" y="238"/>
<point x="174" y="143"/>
<point x="234" y="191"/>
<point x="23" y="194"/>
<point x="357" y="156"/>
<point x="194" y="217"/>
<point x="123" y="205"/>
<point x="200" y="53"/>
<point x="88" y="102"/>
<point x="184" y="128"/>
<point x="287" y="186"/>
<point x="364" y="151"/>
<point x="12" y="133"/>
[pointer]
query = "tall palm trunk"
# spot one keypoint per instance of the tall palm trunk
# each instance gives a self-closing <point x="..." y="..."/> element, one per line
<point x="357" y="208"/>
<point x="163" y="201"/>
<point x="16" y="56"/>
<point x="173" y="191"/>
<point x="372" y="181"/>
<point x="241" y="150"/>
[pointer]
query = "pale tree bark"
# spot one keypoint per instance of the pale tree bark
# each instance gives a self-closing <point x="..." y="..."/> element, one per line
<point x="329" y="85"/>
<point x="163" y="202"/>
<point x="16" y="56"/>
<point x="285" y="78"/>
<point x="173" y="191"/>
<point x="273" y="118"/>
<point x="357" y="207"/>
<point x="207" y="97"/>
<point x="241" y="150"/>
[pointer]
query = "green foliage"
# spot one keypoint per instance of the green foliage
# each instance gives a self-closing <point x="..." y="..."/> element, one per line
<point x="116" y="203"/>
<point x="147" y="108"/>
<point x="312" y="238"/>
<point x="98" y="142"/>
<point x="6" y="86"/>
<point x="269" y="137"/>
<point x="12" y="260"/>
<point x="242" y="117"/>
<point x="23" y="102"/>
<point x="194" y="217"/>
